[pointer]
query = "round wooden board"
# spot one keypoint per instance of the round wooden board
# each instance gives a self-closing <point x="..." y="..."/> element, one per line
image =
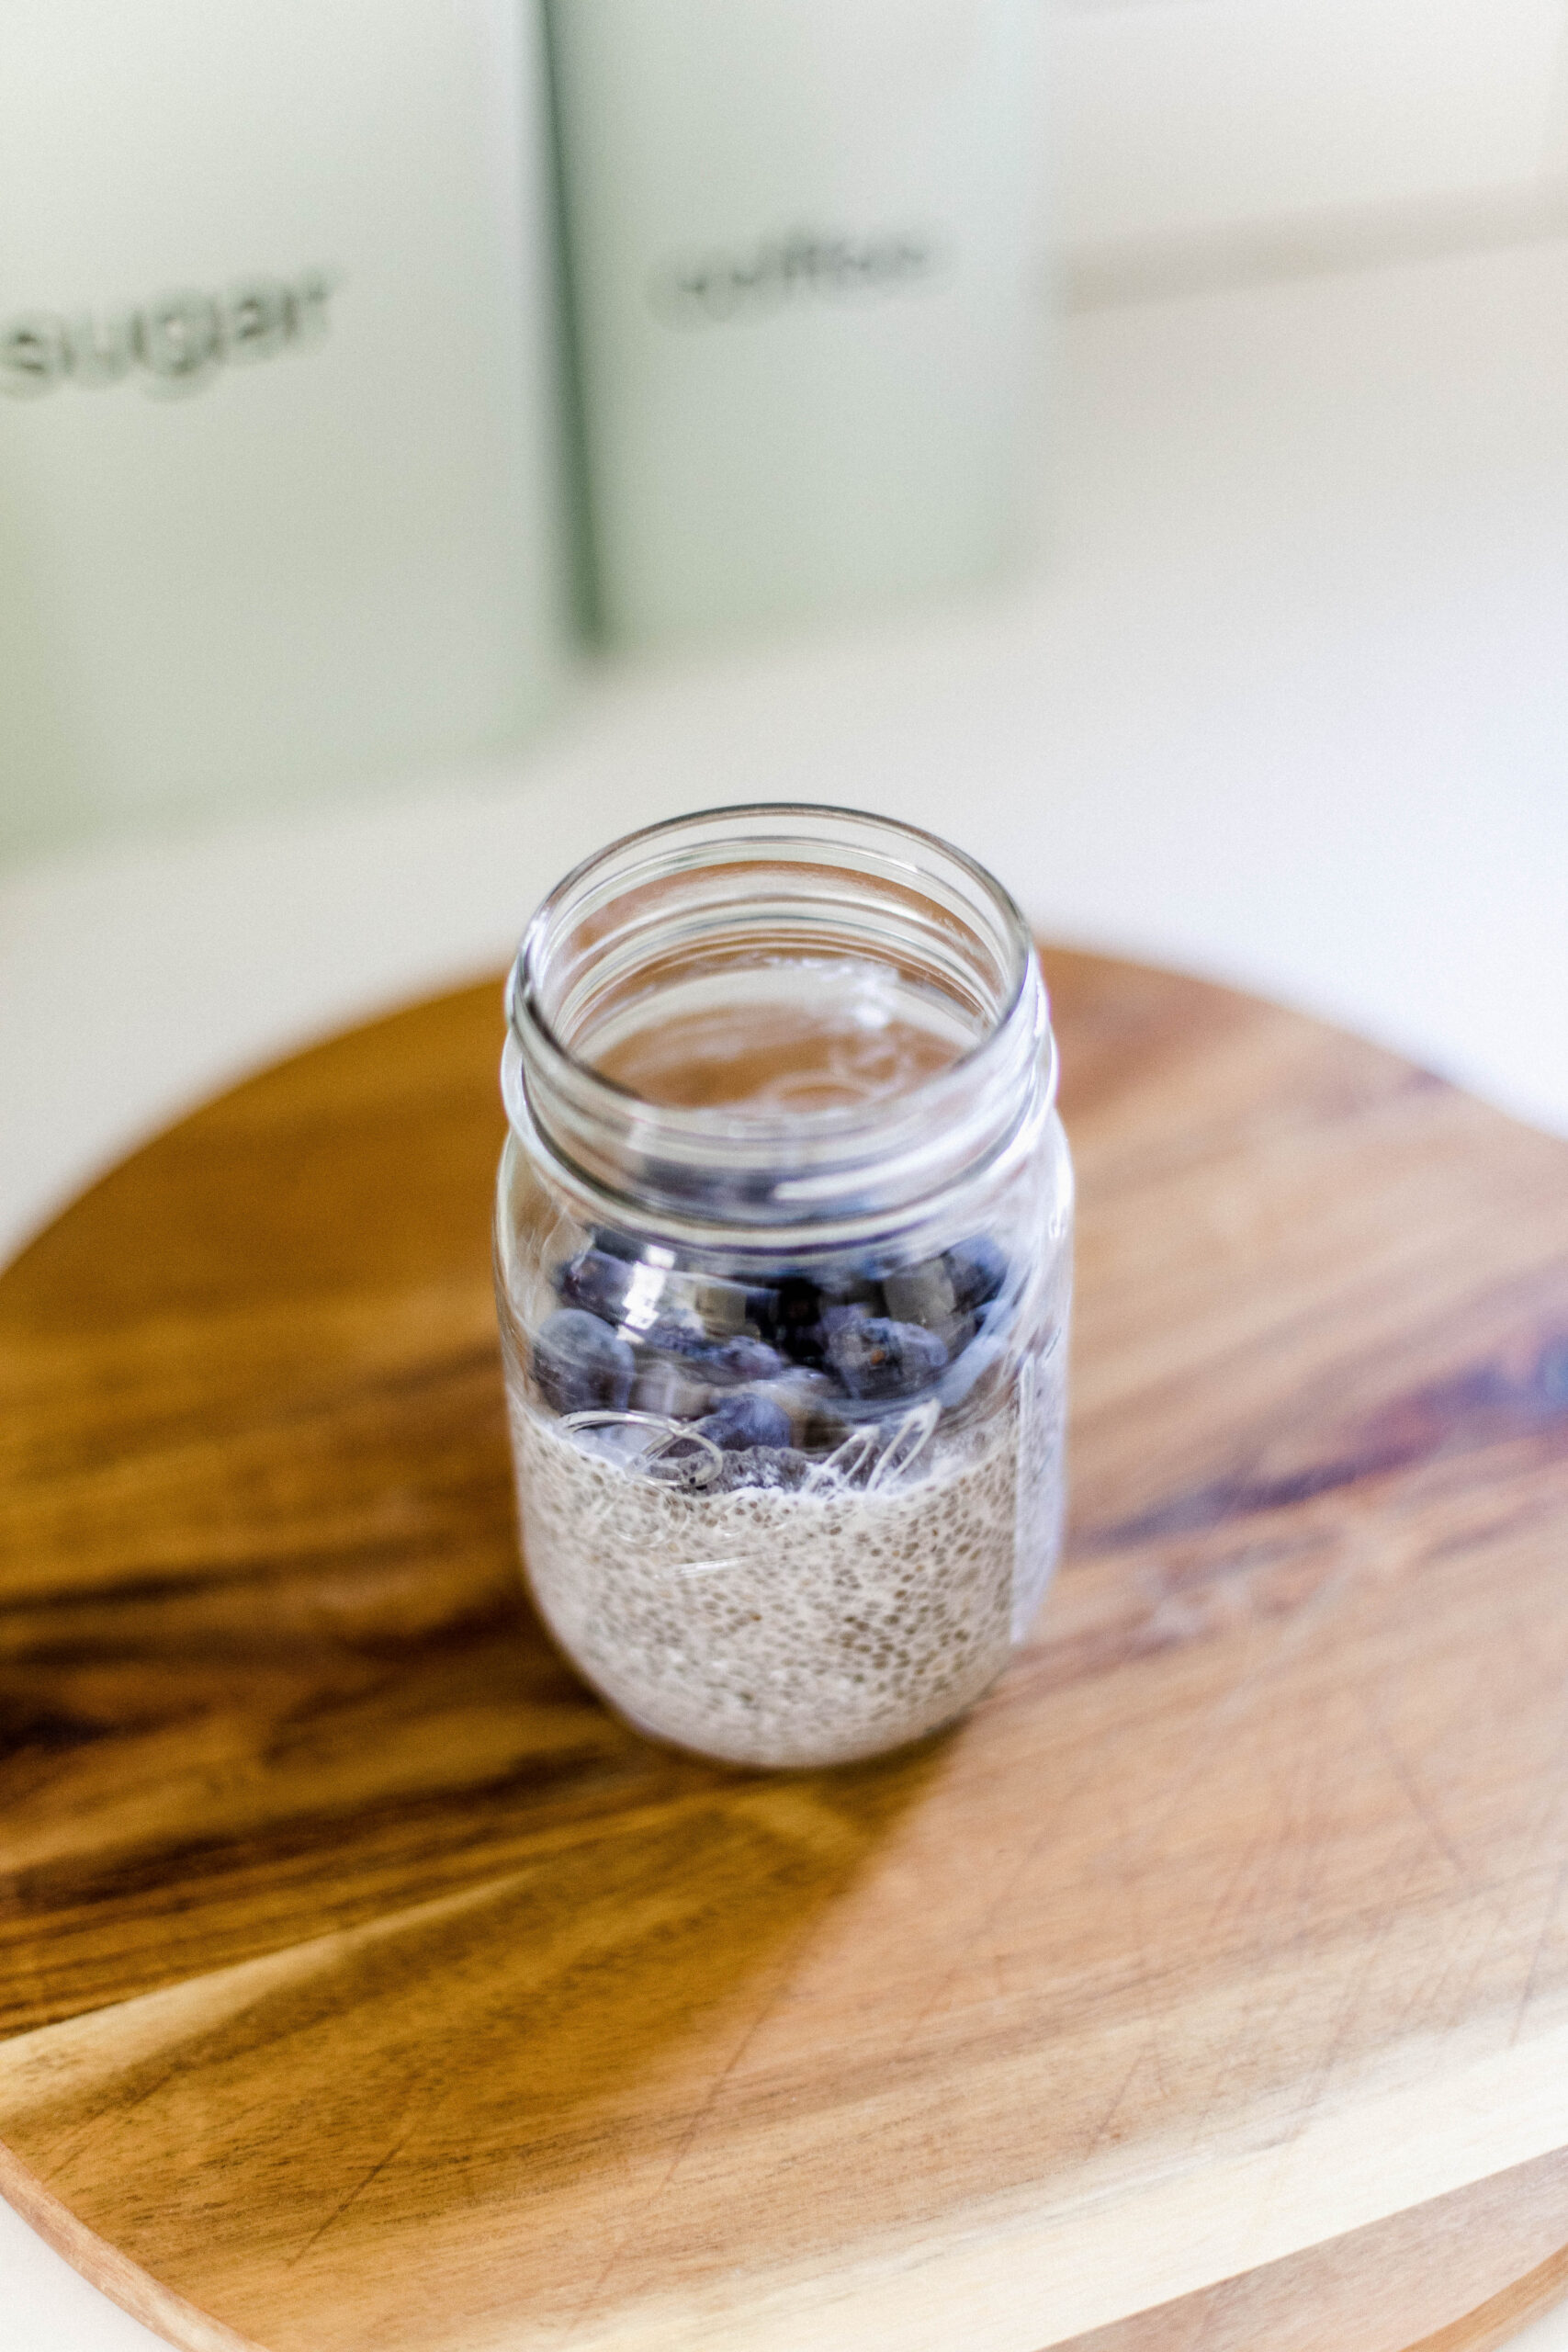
<point x="366" y="1985"/>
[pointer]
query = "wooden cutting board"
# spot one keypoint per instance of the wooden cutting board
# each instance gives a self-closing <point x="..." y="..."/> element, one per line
<point x="363" y="1984"/>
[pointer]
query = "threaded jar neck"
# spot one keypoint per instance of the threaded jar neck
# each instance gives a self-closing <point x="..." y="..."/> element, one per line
<point x="755" y="917"/>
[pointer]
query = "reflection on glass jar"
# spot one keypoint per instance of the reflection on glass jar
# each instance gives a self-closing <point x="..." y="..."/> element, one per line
<point x="783" y="1254"/>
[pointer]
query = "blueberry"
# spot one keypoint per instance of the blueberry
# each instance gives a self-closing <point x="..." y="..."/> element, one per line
<point x="796" y="1309"/>
<point x="733" y="1359"/>
<point x="745" y="1359"/>
<point x="762" y="1308"/>
<point x="579" y="1365"/>
<point x="978" y="1270"/>
<point x="879" y="1361"/>
<point x="677" y="1335"/>
<point x="740" y="1421"/>
<point x="597" y="1281"/>
<point x="798" y="1312"/>
<point x="814" y="1404"/>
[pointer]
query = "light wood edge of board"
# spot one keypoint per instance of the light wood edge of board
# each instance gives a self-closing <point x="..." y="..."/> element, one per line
<point x="1496" y="2322"/>
<point x="1489" y="2327"/>
<point x="1461" y="2273"/>
<point x="181" y="2323"/>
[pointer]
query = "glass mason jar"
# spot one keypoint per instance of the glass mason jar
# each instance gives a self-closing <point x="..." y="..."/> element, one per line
<point x="783" y="1259"/>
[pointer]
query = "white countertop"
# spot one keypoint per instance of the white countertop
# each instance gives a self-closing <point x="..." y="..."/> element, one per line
<point x="1285" y="703"/>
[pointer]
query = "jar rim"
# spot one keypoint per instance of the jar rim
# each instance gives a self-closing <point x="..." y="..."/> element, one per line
<point x="544" y="1074"/>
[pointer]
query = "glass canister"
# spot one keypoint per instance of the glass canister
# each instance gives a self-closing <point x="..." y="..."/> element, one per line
<point x="783" y="1259"/>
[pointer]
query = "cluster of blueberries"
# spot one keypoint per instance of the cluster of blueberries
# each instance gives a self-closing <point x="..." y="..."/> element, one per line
<point x="793" y="1362"/>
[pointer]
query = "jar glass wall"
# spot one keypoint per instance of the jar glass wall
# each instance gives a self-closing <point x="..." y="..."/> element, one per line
<point x="783" y="1237"/>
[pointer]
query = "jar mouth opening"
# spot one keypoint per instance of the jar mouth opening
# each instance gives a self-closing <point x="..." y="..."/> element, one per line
<point x="732" y="907"/>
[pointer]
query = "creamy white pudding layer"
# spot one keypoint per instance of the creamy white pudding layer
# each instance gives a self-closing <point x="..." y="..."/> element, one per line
<point x="777" y="1627"/>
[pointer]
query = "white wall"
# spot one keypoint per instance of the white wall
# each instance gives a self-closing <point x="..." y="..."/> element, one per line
<point x="1212" y="137"/>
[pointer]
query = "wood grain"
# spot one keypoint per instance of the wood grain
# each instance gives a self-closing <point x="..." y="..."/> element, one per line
<point x="365" y="1984"/>
<point x="1459" y="2274"/>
